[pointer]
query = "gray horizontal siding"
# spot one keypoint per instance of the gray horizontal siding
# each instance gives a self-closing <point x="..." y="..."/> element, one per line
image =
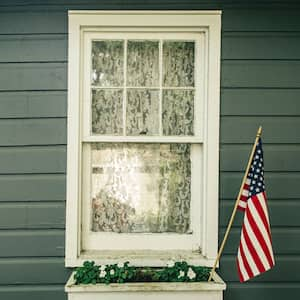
<point x="33" y="104"/>
<point x="38" y="187"/>
<point x="280" y="273"/>
<point x="277" y="157"/>
<point x="241" y="130"/>
<point x="260" y="86"/>
<point x="33" y="48"/>
<point x="32" y="215"/>
<point x="261" y="45"/>
<point x="260" y="74"/>
<point x="45" y="292"/>
<point x="283" y="213"/>
<point x="278" y="185"/>
<point x="261" y="291"/>
<point x="33" y="132"/>
<point x="33" y="76"/>
<point x="47" y="159"/>
<point x="33" y="271"/>
<point x="285" y="241"/>
<point x="51" y="243"/>
<point x="260" y="102"/>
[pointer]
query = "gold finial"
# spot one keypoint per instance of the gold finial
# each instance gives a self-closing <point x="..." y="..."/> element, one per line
<point x="259" y="131"/>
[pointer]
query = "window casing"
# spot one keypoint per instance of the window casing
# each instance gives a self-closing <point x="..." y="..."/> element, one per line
<point x="87" y="137"/>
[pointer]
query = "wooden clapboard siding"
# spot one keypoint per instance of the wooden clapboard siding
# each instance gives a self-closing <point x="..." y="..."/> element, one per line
<point x="283" y="213"/>
<point x="47" y="270"/>
<point x="261" y="45"/>
<point x="286" y="241"/>
<point x="47" y="159"/>
<point x="34" y="104"/>
<point x="32" y="292"/>
<point x="260" y="102"/>
<point x="277" y="130"/>
<point x="278" y="291"/>
<point x="260" y="74"/>
<point x="278" y="185"/>
<point x="51" y="243"/>
<point x="46" y="131"/>
<point x="32" y="215"/>
<point x="33" y="76"/>
<point x="281" y="272"/>
<point x="277" y="157"/>
<point x="33" y="48"/>
<point x="260" y="86"/>
<point x="37" y="187"/>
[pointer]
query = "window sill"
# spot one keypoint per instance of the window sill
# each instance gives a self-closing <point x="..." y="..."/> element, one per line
<point x="142" y="257"/>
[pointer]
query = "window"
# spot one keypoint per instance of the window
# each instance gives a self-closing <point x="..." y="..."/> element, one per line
<point x="143" y="130"/>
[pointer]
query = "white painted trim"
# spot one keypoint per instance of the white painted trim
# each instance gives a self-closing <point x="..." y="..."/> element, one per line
<point x="145" y="12"/>
<point x="167" y="21"/>
<point x="73" y="152"/>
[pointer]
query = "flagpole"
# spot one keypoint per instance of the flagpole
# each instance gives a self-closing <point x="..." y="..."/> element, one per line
<point x="258" y="134"/>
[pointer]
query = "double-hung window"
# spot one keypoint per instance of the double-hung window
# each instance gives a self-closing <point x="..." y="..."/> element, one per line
<point x="142" y="176"/>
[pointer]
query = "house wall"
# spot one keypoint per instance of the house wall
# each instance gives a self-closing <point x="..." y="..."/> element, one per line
<point x="260" y="86"/>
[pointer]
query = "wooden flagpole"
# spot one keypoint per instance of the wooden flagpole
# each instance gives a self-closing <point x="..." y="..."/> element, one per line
<point x="259" y="131"/>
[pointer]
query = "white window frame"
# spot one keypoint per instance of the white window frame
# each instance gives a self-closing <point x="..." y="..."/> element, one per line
<point x="80" y="24"/>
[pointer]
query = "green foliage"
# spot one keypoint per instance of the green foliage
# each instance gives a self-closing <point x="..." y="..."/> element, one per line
<point x="89" y="273"/>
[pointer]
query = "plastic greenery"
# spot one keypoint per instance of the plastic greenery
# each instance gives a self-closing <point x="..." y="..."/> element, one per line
<point x="90" y="273"/>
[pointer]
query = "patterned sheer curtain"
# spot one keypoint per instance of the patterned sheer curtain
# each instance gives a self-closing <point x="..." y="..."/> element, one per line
<point x="141" y="88"/>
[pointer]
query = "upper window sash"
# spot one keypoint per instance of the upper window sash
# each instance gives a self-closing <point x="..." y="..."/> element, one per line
<point x="198" y="87"/>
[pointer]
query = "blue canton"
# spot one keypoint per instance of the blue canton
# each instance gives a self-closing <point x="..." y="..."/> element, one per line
<point x="256" y="173"/>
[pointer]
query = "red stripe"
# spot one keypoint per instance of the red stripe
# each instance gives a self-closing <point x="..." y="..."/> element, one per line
<point x="259" y="236"/>
<point x="244" y="198"/>
<point x="239" y="270"/>
<point x="241" y="208"/>
<point x="253" y="252"/>
<point x="260" y="210"/>
<point x="245" y="261"/>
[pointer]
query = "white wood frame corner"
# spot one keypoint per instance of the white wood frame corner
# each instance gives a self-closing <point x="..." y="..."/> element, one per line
<point x="191" y="21"/>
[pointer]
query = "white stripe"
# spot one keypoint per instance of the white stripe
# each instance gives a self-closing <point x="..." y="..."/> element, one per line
<point x="243" y="204"/>
<point x="248" y="256"/>
<point x="256" y="244"/>
<point x="242" y="267"/>
<point x="245" y="193"/>
<point x="263" y="203"/>
<point x="248" y="181"/>
<point x="260" y="225"/>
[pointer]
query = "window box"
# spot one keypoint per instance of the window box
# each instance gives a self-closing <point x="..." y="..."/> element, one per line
<point x="147" y="290"/>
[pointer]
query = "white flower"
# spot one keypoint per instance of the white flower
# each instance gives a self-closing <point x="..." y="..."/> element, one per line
<point x="191" y="274"/>
<point x="120" y="265"/>
<point x="102" y="274"/>
<point x="170" y="263"/>
<point x="112" y="272"/>
<point x="181" y="274"/>
<point x="102" y="268"/>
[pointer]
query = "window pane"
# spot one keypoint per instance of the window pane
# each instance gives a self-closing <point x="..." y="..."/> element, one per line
<point x="142" y="63"/>
<point x="178" y="112"/>
<point x="107" y="63"/>
<point x="141" y="187"/>
<point x="142" y="116"/>
<point x="107" y="111"/>
<point x="178" y="64"/>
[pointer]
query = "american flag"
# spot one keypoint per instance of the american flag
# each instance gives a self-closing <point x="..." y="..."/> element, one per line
<point x="255" y="253"/>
